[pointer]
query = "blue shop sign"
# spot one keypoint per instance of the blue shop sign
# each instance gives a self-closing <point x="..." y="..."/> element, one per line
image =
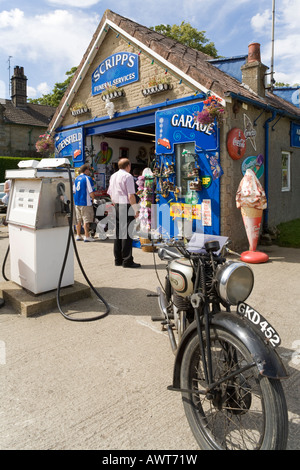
<point x="117" y="70"/>
<point x="198" y="200"/>
<point x="177" y="125"/>
<point x="70" y="144"/>
<point x="295" y="135"/>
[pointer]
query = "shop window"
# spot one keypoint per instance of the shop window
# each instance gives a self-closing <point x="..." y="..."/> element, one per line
<point x="285" y="171"/>
<point x="185" y="163"/>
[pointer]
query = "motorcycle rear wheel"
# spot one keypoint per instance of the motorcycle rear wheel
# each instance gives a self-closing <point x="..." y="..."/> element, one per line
<point x="247" y="412"/>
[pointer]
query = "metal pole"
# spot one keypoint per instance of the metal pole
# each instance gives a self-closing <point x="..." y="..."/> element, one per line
<point x="9" y="86"/>
<point x="272" y="58"/>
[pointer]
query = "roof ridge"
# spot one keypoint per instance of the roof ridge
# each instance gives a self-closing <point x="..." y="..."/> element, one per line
<point x="194" y="64"/>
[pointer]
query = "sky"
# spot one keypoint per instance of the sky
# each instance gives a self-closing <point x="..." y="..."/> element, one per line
<point x="49" y="37"/>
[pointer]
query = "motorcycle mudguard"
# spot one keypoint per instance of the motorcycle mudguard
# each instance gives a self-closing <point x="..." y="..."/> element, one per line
<point x="265" y="357"/>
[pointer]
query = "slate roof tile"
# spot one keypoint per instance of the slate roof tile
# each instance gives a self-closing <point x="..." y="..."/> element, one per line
<point x="30" y="115"/>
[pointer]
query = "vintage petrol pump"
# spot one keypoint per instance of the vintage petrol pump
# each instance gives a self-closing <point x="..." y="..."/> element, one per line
<point x="38" y="222"/>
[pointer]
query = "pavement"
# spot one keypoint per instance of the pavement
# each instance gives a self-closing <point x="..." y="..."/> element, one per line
<point x="102" y="385"/>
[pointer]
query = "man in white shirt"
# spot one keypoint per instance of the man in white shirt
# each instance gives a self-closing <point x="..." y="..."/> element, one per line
<point x="122" y="193"/>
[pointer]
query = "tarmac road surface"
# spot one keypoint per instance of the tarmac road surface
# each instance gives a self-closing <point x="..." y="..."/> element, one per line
<point x="103" y="385"/>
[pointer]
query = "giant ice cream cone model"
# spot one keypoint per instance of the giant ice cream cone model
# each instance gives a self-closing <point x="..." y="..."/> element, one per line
<point x="252" y="221"/>
<point x="251" y="199"/>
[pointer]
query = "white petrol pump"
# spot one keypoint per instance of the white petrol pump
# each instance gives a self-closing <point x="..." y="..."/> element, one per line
<point x="38" y="223"/>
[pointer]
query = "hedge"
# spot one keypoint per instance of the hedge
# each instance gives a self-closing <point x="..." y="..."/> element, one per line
<point x="10" y="163"/>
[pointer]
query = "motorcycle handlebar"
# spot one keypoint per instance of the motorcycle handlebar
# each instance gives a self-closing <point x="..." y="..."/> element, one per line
<point x="188" y="252"/>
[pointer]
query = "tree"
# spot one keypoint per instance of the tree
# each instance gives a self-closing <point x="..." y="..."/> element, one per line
<point x="54" y="98"/>
<point x="189" y="36"/>
<point x="184" y="33"/>
<point x="286" y="85"/>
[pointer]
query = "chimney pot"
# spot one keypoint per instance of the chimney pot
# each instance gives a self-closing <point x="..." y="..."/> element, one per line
<point x="254" y="52"/>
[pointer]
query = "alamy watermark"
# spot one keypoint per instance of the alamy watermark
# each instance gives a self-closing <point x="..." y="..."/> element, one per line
<point x="154" y="222"/>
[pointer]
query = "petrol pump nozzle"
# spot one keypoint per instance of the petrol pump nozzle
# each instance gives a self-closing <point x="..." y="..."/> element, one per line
<point x="63" y="203"/>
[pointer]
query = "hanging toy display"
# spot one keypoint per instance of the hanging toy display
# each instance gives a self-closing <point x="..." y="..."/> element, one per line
<point x="164" y="173"/>
<point x="196" y="185"/>
<point x="192" y="198"/>
<point x="168" y="170"/>
<point x="165" y="189"/>
<point x="146" y="193"/>
<point x="192" y="172"/>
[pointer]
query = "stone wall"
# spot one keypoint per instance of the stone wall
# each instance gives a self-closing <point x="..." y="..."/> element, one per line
<point x="133" y="93"/>
<point x="282" y="205"/>
<point x="19" y="140"/>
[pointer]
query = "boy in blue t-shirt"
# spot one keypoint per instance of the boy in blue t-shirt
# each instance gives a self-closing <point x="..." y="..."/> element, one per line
<point x="83" y="199"/>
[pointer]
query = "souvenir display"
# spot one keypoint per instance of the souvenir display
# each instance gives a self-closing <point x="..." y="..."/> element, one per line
<point x="146" y="193"/>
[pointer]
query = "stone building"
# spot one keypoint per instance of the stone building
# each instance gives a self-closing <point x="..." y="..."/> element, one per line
<point x="156" y="86"/>
<point x="21" y="123"/>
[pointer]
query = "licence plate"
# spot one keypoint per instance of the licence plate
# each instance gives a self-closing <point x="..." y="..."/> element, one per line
<point x="259" y="322"/>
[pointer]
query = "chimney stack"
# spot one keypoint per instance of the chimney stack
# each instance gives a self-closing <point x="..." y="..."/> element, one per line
<point x="253" y="72"/>
<point x="19" y="87"/>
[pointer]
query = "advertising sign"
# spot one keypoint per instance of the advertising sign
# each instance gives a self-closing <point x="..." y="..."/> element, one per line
<point x="256" y="164"/>
<point x="117" y="70"/>
<point x="295" y="135"/>
<point x="236" y="143"/>
<point x="176" y="125"/>
<point x="199" y="201"/>
<point x="70" y="144"/>
<point x="186" y="211"/>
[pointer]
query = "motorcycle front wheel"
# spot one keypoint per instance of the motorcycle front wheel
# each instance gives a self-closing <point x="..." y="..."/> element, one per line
<point x="245" y="412"/>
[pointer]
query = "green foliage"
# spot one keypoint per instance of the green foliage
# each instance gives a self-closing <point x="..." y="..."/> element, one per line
<point x="189" y="36"/>
<point x="54" y="98"/>
<point x="289" y="234"/>
<point x="282" y="85"/>
<point x="10" y="163"/>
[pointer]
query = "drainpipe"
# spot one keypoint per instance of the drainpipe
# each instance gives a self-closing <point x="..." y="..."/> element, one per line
<point x="267" y="142"/>
<point x="29" y="139"/>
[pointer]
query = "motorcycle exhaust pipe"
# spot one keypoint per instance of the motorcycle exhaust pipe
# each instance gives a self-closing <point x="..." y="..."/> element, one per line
<point x="163" y="305"/>
<point x="172" y="338"/>
<point x="162" y="302"/>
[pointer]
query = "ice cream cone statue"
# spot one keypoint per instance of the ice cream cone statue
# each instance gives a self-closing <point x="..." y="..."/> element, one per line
<point x="252" y="221"/>
<point x="251" y="199"/>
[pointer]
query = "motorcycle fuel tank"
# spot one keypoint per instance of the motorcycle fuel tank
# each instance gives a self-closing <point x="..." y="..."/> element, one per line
<point x="181" y="276"/>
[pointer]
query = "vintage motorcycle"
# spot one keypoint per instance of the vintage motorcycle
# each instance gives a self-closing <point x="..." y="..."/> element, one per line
<point x="226" y="365"/>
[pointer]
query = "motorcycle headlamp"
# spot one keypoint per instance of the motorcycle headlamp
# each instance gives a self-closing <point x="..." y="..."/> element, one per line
<point x="235" y="282"/>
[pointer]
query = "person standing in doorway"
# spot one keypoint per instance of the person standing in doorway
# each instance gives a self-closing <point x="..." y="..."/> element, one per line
<point x="83" y="199"/>
<point x="122" y="193"/>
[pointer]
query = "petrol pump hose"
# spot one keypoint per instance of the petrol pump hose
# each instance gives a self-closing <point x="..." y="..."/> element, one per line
<point x="70" y="237"/>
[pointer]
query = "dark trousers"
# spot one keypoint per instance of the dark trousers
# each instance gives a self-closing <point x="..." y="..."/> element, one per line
<point x="123" y="240"/>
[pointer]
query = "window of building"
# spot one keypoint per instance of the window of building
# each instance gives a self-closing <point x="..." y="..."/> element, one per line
<point x="285" y="171"/>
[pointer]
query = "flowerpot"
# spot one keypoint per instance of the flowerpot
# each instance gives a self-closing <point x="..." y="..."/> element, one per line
<point x="148" y="249"/>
